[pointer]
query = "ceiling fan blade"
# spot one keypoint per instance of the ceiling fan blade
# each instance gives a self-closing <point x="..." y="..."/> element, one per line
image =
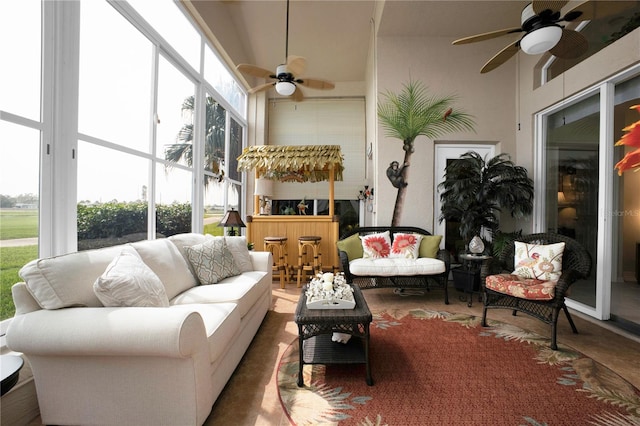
<point x="316" y="83"/>
<point x="262" y="87"/>
<point x="572" y="45"/>
<point x="501" y="57"/>
<point x="296" y="65"/>
<point x="255" y="71"/>
<point x="542" y="5"/>
<point x="487" y="36"/>
<point x="298" y="96"/>
<point x="596" y="9"/>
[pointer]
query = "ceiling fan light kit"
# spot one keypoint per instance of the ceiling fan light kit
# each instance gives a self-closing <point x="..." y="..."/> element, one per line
<point x="541" y="40"/>
<point x="285" y="88"/>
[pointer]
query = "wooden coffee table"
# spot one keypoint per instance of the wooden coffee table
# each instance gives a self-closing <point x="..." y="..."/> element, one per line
<point x="316" y="327"/>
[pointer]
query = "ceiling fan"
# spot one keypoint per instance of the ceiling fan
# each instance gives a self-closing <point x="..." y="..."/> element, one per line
<point x="285" y="78"/>
<point x="541" y="21"/>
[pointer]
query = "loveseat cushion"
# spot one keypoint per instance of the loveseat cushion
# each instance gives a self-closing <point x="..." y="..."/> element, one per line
<point x="244" y="290"/>
<point x="524" y="288"/>
<point x="127" y="281"/>
<point x="352" y="245"/>
<point x="67" y="280"/>
<point x="377" y="245"/>
<point x="430" y="245"/>
<point x="182" y="241"/>
<point x="164" y="258"/>
<point x="395" y="266"/>
<point x="406" y="245"/>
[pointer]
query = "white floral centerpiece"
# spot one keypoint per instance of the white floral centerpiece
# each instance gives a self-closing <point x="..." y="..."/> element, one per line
<point x="329" y="291"/>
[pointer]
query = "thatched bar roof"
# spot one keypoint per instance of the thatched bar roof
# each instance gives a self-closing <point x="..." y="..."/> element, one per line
<point x="300" y="163"/>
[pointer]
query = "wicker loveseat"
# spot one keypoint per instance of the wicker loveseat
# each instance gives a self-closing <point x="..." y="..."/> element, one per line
<point x="420" y="273"/>
<point x="576" y="264"/>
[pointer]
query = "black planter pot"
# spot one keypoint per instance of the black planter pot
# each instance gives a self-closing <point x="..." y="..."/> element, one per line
<point x="466" y="280"/>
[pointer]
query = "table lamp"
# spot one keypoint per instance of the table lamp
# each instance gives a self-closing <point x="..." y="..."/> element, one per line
<point x="232" y="219"/>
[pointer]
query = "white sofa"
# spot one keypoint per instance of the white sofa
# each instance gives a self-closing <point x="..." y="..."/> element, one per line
<point x="135" y="365"/>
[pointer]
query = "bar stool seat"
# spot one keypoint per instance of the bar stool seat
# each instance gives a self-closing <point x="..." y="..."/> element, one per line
<point x="308" y="245"/>
<point x="278" y="248"/>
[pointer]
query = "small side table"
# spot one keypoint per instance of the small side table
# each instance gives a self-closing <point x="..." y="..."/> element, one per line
<point x="10" y="366"/>
<point x="473" y="263"/>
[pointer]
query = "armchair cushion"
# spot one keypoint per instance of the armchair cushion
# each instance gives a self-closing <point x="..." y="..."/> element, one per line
<point x="351" y="245"/>
<point x="377" y="245"/>
<point x="523" y="288"/>
<point x="406" y="246"/>
<point x="429" y="246"/>
<point x="539" y="261"/>
<point x="127" y="281"/>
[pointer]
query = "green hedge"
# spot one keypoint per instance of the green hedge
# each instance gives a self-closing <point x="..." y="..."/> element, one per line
<point x="113" y="220"/>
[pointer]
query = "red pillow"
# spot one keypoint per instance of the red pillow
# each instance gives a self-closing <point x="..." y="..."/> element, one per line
<point x="376" y="246"/>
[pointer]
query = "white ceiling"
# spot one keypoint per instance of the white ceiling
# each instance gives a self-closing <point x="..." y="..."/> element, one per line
<point x="334" y="35"/>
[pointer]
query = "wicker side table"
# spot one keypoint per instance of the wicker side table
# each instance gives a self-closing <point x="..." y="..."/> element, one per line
<point x="316" y="326"/>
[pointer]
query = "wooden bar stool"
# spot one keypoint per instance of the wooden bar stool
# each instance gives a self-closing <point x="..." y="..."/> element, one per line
<point x="305" y="264"/>
<point x="278" y="248"/>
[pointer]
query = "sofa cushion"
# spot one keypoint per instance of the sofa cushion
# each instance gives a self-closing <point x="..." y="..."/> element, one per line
<point x="182" y="241"/>
<point x="164" y="258"/>
<point x="127" y="281"/>
<point x="376" y="245"/>
<point x="430" y="245"/>
<point x="212" y="260"/>
<point x="67" y="280"/>
<point x="244" y="290"/>
<point x="352" y="245"/>
<point x="237" y="245"/>
<point x="222" y="322"/>
<point x="539" y="261"/>
<point x="524" y="288"/>
<point x="405" y="245"/>
<point x="396" y="266"/>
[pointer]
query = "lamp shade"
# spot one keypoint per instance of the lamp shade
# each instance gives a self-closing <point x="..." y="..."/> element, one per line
<point x="264" y="187"/>
<point x="541" y="40"/>
<point x="231" y="219"/>
<point x="285" y="88"/>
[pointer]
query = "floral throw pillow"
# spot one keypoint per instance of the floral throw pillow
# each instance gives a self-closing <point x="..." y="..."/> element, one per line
<point x="406" y="246"/>
<point x="376" y="245"/>
<point x="542" y="262"/>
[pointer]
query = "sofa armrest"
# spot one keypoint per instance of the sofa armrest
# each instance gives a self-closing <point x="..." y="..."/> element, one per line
<point x="175" y="332"/>
<point x="261" y="260"/>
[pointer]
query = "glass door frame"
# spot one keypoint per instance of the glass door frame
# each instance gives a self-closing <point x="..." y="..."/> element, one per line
<point x="606" y="251"/>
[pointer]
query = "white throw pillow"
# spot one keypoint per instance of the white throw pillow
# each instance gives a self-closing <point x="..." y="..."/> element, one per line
<point x="238" y="248"/>
<point x="376" y="246"/>
<point x="128" y="281"/>
<point x="406" y="246"/>
<point x="542" y="262"/>
<point x="212" y="260"/>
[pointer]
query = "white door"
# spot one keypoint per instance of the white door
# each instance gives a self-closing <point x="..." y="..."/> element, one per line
<point x="444" y="153"/>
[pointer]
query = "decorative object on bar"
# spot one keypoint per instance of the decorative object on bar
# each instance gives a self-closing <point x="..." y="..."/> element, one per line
<point x="330" y="291"/>
<point x="231" y="220"/>
<point x="264" y="190"/>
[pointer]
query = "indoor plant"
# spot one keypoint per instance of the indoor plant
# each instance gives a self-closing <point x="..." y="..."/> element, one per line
<point x="475" y="191"/>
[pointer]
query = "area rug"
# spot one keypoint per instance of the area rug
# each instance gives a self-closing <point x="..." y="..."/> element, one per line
<point x="439" y="368"/>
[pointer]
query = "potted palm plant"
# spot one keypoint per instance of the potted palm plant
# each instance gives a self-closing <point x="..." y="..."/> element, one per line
<point x="475" y="191"/>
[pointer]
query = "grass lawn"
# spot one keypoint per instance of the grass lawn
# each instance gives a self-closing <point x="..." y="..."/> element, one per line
<point x="11" y="260"/>
<point x="18" y="224"/>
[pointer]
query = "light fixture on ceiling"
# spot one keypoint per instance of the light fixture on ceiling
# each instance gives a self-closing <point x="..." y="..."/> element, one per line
<point x="541" y="40"/>
<point x="285" y="88"/>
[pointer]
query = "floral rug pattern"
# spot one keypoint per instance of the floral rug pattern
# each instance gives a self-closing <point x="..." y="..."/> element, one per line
<point x="320" y="404"/>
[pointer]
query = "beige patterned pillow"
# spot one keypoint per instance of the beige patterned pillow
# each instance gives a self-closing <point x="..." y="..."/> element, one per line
<point x="212" y="260"/>
<point x="542" y="262"/>
<point x="128" y="281"/>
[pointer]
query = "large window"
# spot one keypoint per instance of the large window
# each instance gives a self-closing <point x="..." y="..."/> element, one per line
<point x="101" y="91"/>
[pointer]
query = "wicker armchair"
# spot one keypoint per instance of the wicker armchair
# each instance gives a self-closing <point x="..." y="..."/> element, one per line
<point x="576" y="264"/>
